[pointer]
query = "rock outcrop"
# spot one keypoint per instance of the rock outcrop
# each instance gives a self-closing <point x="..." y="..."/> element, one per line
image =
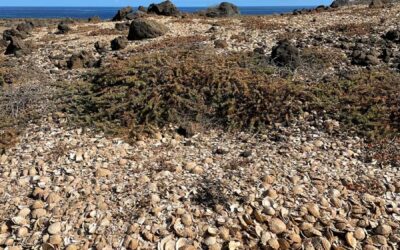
<point x="225" y="9"/>
<point x="17" y="47"/>
<point x="143" y="29"/>
<point x="119" y="43"/>
<point x="373" y="3"/>
<point x="82" y="59"/>
<point x="285" y="54"/>
<point x="124" y="14"/>
<point x="166" y="8"/>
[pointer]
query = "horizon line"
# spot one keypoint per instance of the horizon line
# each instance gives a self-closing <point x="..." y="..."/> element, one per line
<point x="200" y="6"/>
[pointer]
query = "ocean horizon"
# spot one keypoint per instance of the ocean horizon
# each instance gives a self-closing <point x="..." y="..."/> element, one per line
<point x="109" y="12"/>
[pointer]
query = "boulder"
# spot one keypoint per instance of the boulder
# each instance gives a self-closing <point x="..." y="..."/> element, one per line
<point x="340" y="3"/>
<point x="391" y="35"/>
<point x="26" y="27"/>
<point x="143" y="29"/>
<point x="17" y="47"/>
<point x="101" y="47"/>
<point x="142" y="9"/>
<point x="386" y="55"/>
<point x="285" y="54"/>
<point x="225" y="9"/>
<point x="364" y="58"/>
<point x="123" y="14"/>
<point x="82" y="59"/>
<point x="166" y="8"/>
<point x="122" y="26"/>
<point x="94" y="19"/>
<point x="220" y="44"/>
<point x="119" y="43"/>
<point x="376" y="4"/>
<point x="63" y="28"/>
<point x="7" y="34"/>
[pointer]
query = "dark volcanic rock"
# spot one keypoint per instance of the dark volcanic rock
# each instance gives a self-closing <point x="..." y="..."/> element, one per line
<point x="364" y="58"/>
<point x="285" y="54"/>
<point x="101" y="47"/>
<point x="94" y="19"/>
<point x="225" y="9"/>
<point x="122" y="14"/>
<point x="63" y="28"/>
<point x="166" y="8"/>
<point x="220" y="44"/>
<point x="391" y="35"/>
<point x="7" y="34"/>
<point x="376" y="4"/>
<point x="142" y="29"/>
<point x="386" y="55"/>
<point x="17" y="47"/>
<point x="82" y="59"/>
<point x="142" y="9"/>
<point x="25" y="27"/>
<point x="119" y="43"/>
<point x="122" y="26"/>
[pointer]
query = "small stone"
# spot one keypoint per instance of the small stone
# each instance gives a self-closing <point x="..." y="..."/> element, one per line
<point x="277" y="226"/>
<point x="54" y="228"/>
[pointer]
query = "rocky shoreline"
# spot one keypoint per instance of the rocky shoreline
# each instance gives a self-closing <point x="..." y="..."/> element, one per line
<point x="285" y="156"/>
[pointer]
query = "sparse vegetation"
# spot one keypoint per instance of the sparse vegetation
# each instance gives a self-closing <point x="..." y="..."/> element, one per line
<point x="233" y="91"/>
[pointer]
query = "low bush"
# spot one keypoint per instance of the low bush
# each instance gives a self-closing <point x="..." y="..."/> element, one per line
<point x="235" y="91"/>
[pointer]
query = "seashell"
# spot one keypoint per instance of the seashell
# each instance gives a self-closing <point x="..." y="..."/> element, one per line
<point x="224" y="233"/>
<point x="233" y="245"/>
<point x="20" y="221"/>
<point x="54" y="228"/>
<point x="359" y="233"/>
<point x="24" y="212"/>
<point x="277" y="226"/>
<point x="187" y="220"/>
<point x="384" y="230"/>
<point x="180" y="243"/>
<point x="313" y="209"/>
<point x="211" y="240"/>
<point x="212" y="231"/>
<point x="351" y="241"/>
<point x="273" y="243"/>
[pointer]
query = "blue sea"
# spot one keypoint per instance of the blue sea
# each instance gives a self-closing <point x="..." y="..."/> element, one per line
<point x="109" y="12"/>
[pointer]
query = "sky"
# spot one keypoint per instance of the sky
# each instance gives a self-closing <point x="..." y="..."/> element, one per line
<point x="182" y="3"/>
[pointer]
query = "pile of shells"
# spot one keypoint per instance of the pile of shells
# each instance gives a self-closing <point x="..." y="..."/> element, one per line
<point x="74" y="189"/>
